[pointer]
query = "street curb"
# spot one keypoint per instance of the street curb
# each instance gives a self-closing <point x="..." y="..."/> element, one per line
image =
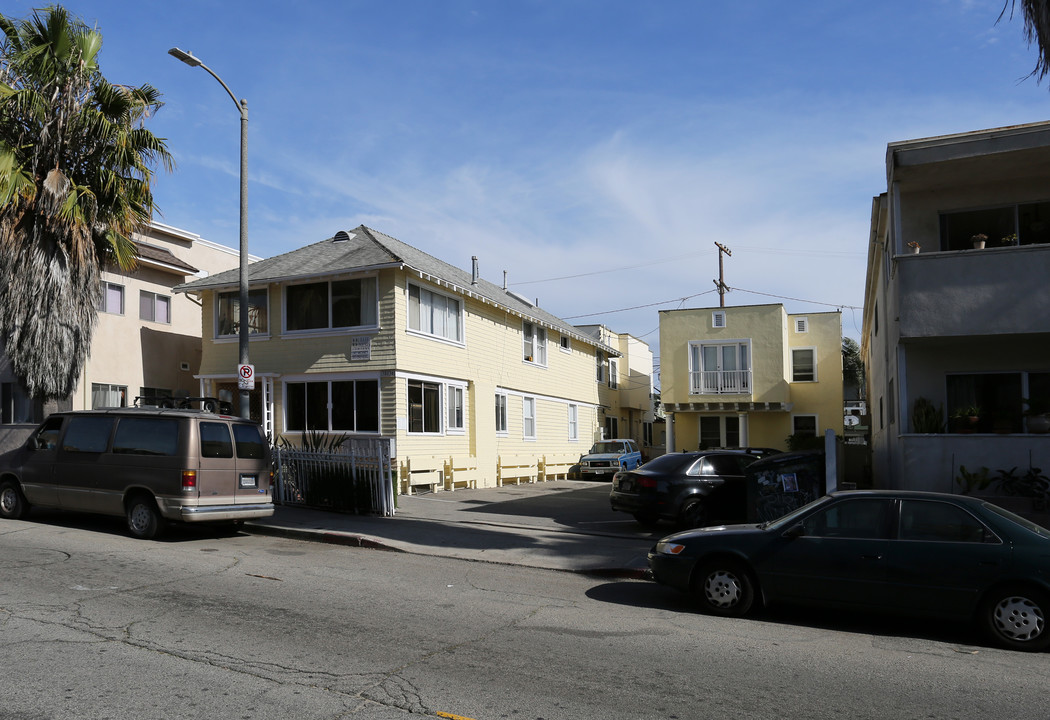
<point x="353" y="540"/>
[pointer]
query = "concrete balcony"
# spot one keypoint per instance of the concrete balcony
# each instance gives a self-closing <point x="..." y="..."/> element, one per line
<point x="994" y="291"/>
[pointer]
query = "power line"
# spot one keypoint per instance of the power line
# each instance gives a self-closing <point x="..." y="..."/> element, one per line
<point x="638" y="307"/>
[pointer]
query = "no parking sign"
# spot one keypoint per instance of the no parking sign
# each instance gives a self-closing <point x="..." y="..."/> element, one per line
<point x="245" y="377"/>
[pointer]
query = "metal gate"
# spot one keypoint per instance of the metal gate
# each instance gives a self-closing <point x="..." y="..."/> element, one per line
<point x="357" y="478"/>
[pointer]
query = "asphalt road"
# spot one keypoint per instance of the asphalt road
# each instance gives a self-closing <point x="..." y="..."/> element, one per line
<point x="94" y="624"/>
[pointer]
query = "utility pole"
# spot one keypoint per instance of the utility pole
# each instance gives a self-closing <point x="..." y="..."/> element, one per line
<point x="720" y="282"/>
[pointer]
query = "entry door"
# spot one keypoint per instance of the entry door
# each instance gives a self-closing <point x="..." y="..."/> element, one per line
<point x="718" y="431"/>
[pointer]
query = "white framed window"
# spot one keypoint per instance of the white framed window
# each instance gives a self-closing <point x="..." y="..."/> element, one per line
<point x="435" y="314"/>
<point x="599" y="361"/>
<point x="803" y="365"/>
<point x="228" y="313"/>
<point x="105" y="395"/>
<point x="332" y="406"/>
<point x="528" y="418"/>
<point x="501" y="413"/>
<point x="718" y="319"/>
<point x="804" y="425"/>
<point x="154" y="307"/>
<point x="112" y="298"/>
<point x="801" y="325"/>
<point x="534" y="343"/>
<point x="720" y="368"/>
<point x="614" y="373"/>
<point x="424" y="407"/>
<point x="565" y="344"/>
<point x="456" y="409"/>
<point x="330" y="304"/>
<point x="574" y="422"/>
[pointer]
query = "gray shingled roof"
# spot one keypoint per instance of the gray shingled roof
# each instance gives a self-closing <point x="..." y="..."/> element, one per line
<point x="152" y="253"/>
<point x="369" y="249"/>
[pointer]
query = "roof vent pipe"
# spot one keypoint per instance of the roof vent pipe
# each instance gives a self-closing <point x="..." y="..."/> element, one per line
<point x="504" y="279"/>
<point x="474" y="270"/>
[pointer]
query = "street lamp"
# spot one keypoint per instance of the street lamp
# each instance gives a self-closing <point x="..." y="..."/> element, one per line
<point x="242" y="108"/>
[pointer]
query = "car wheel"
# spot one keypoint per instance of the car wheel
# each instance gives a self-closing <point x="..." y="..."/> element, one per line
<point x="143" y="518"/>
<point x="649" y="520"/>
<point x="694" y="514"/>
<point x="13" y="504"/>
<point x="1015" y="618"/>
<point x="724" y="587"/>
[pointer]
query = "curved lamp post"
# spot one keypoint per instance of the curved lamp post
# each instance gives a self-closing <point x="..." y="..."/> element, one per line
<point x="242" y="108"/>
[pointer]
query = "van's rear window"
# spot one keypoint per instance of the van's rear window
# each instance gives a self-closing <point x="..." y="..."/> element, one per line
<point x="147" y="436"/>
<point x="249" y="441"/>
<point x="215" y="440"/>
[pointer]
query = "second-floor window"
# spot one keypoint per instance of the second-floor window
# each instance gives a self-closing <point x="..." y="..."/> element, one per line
<point x="534" y="340"/>
<point x="720" y="368"/>
<point x="803" y="365"/>
<point x="154" y="307"/>
<point x="1024" y="224"/>
<point x="435" y="314"/>
<point x="330" y="304"/>
<point x="228" y="313"/>
<point x="112" y="298"/>
<point x="614" y="372"/>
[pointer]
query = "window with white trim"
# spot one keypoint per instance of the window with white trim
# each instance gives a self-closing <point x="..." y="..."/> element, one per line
<point x="154" y="307"/>
<point x="534" y="343"/>
<point x="599" y="360"/>
<point x="424" y="407"/>
<point x="803" y="365"/>
<point x="565" y="344"/>
<point x="228" y="313"/>
<point x="801" y="325"/>
<point x="332" y="406"/>
<point x="330" y="304"/>
<point x="718" y="319"/>
<point x="105" y="395"/>
<point x="574" y="422"/>
<point x="455" y="408"/>
<point x="436" y="314"/>
<point x="501" y="412"/>
<point x="528" y="418"/>
<point x="112" y="298"/>
<point x="614" y="373"/>
<point x="804" y="425"/>
<point x="720" y="368"/>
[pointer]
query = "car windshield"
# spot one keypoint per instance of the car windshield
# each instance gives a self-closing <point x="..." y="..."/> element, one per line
<point x="1023" y="522"/>
<point x="787" y="520"/>
<point x="606" y="447"/>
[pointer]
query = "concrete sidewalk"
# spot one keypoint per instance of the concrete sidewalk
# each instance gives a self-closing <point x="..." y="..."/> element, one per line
<point x="558" y="525"/>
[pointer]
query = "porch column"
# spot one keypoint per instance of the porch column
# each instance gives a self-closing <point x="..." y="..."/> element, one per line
<point x="744" y="437"/>
<point x="669" y="431"/>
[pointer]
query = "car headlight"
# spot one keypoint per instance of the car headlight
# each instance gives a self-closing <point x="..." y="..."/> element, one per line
<point x="669" y="548"/>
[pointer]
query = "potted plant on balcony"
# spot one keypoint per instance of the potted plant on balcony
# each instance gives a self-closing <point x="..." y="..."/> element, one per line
<point x="914" y="247"/>
<point x="965" y="419"/>
<point x="1037" y="416"/>
<point x="978" y="241"/>
<point x="925" y="418"/>
<point x="1009" y="240"/>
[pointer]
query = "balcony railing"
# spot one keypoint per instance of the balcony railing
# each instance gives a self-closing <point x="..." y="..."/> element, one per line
<point x="720" y="382"/>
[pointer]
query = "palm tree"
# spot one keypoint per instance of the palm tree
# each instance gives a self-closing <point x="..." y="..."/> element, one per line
<point x="75" y="183"/>
<point x="1036" y="29"/>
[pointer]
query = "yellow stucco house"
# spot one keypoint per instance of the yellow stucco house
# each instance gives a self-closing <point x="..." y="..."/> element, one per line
<point x="749" y="376"/>
<point x="364" y="335"/>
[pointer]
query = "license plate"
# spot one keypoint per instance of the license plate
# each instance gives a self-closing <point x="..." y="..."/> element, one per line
<point x="248" y="481"/>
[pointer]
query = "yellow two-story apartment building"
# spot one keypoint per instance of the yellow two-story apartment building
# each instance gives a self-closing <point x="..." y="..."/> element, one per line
<point x="364" y="335"/>
<point x="749" y="376"/>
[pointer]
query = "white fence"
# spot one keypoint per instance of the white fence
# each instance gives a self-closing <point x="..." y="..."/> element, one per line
<point x="356" y="478"/>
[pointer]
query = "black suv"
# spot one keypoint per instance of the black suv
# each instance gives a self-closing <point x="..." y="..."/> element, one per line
<point x="692" y="489"/>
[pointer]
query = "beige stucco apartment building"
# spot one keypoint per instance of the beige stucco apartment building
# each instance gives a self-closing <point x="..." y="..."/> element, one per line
<point x="364" y="335"/>
<point x="749" y="376"/>
<point x="147" y="340"/>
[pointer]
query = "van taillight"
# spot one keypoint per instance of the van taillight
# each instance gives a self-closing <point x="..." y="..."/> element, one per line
<point x="189" y="480"/>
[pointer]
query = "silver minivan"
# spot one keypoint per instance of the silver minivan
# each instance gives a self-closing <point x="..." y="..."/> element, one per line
<point x="146" y="464"/>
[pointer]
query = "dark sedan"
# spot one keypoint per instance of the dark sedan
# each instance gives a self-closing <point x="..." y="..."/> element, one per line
<point x="948" y="556"/>
<point x="690" y="488"/>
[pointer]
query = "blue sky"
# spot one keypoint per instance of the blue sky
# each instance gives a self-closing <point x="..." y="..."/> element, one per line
<point x="594" y="150"/>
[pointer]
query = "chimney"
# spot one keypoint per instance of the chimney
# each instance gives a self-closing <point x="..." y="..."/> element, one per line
<point x="474" y="270"/>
